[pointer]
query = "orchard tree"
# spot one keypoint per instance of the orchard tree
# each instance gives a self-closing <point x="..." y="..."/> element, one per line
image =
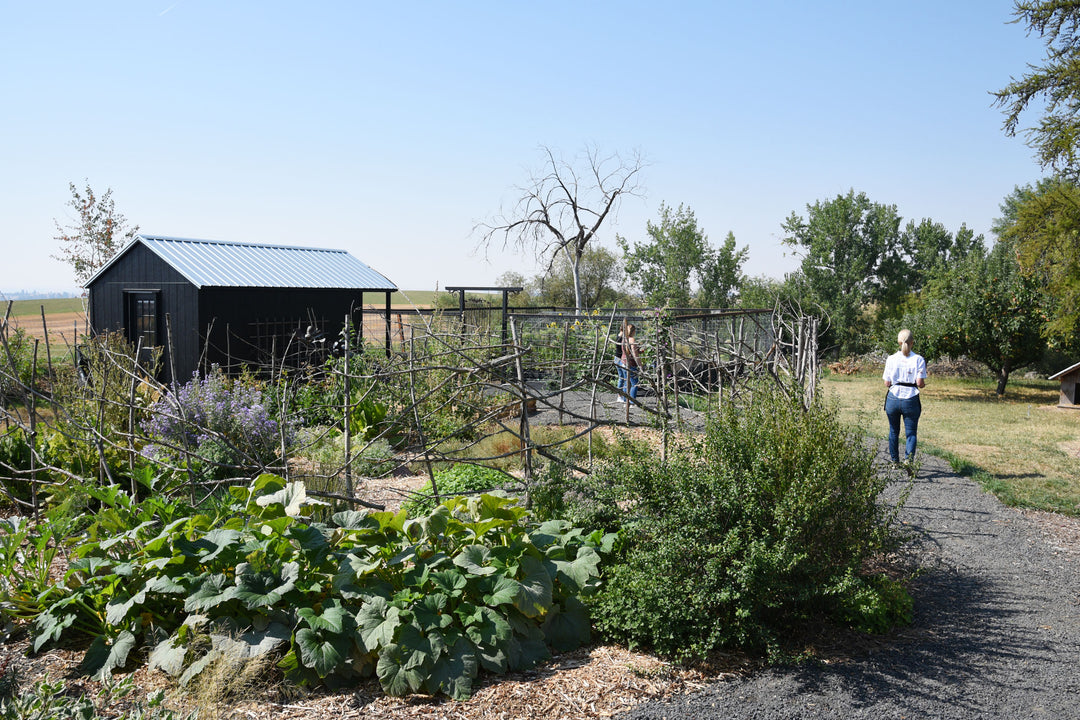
<point x="851" y="260"/>
<point x="677" y="253"/>
<point x="1043" y="224"/>
<point x="563" y="208"/>
<point x="984" y="307"/>
<point x="98" y="234"/>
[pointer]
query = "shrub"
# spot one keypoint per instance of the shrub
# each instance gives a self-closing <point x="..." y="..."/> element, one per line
<point x="742" y="536"/>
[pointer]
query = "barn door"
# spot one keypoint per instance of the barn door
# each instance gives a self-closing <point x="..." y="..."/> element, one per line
<point x="142" y="322"/>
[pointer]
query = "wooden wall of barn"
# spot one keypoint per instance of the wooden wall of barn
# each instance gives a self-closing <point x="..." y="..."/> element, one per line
<point x="244" y="326"/>
<point x="139" y="269"/>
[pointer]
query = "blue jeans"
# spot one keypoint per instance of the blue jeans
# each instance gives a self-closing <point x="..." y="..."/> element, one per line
<point x="622" y="375"/>
<point x="632" y="378"/>
<point x="910" y="410"/>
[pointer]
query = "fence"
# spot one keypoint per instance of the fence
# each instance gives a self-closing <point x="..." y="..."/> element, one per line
<point x="451" y="389"/>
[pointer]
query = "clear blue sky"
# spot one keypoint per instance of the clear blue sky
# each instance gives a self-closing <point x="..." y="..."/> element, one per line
<point x="391" y="129"/>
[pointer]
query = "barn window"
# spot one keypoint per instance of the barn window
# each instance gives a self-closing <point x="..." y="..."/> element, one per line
<point x="142" y="318"/>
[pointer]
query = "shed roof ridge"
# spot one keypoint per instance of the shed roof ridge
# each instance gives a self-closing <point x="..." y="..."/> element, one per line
<point x="275" y="246"/>
<point x="1064" y="372"/>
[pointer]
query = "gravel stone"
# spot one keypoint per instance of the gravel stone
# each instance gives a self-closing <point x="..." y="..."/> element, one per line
<point x="996" y="632"/>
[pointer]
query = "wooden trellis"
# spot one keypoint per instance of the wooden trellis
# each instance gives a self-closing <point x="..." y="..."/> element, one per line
<point x="445" y="386"/>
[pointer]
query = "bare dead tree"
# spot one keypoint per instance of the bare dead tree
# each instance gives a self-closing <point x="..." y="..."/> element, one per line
<point x="563" y="208"/>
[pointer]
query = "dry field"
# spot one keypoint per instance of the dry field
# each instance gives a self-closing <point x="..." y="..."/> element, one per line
<point x="63" y="328"/>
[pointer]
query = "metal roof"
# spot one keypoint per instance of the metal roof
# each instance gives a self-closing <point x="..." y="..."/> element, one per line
<point x="1064" y="372"/>
<point x="211" y="263"/>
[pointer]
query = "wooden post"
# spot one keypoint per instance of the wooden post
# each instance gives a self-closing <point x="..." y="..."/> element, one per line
<point x="526" y="441"/>
<point x="347" y="410"/>
<point x="674" y="383"/>
<point x="32" y="410"/>
<point x="131" y="413"/>
<point x="562" y="371"/>
<point x="419" y="423"/>
<point x="45" y="333"/>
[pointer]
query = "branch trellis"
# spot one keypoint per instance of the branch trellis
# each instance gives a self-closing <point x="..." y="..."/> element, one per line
<point x="449" y="390"/>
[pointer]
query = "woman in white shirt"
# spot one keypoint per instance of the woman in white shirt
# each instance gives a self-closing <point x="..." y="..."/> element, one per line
<point x="904" y="376"/>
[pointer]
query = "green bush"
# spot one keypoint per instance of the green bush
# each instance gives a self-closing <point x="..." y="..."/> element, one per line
<point x="742" y="536"/>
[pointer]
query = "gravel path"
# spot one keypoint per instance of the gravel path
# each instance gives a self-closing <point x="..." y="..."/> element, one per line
<point x="996" y="632"/>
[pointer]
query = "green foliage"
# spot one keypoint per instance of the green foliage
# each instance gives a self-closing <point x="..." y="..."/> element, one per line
<point x="851" y="258"/>
<point x="677" y="252"/>
<point x="720" y="275"/>
<point x="27" y="552"/>
<point x="423" y="603"/>
<point x="762" y="292"/>
<point x="985" y="308"/>
<point x="15" y="462"/>
<point x="737" y="540"/>
<point x="1043" y="225"/>
<point x="930" y="250"/>
<point x="1054" y="86"/>
<point x="600" y="272"/>
<point x="459" y="479"/>
<point x="325" y="449"/>
<point x="53" y="700"/>
<point x="16" y="365"/>
<point x="861" y="269"/>
<point x="99" y="234"/>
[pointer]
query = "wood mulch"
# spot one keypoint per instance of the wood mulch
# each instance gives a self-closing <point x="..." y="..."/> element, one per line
<point x="595" y="682"/>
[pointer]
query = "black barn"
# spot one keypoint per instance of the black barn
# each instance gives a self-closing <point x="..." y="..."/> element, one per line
<point x="229" y="304"/>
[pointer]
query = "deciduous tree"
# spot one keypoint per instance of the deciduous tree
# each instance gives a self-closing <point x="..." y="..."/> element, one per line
<point x="986" y="308"/>
<point x="1043" y="224"/>
<point x="563" y="208"/>
<point x="851" y="260"/>
<point x="930" y="249"/>
<point x="98" y="233"/>
<point x="677" y="254"/>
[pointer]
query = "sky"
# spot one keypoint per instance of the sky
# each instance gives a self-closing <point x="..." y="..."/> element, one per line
<point x="393" y="129"/>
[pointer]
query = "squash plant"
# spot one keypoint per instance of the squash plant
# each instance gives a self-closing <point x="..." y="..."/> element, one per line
<point x="424" y="603"/>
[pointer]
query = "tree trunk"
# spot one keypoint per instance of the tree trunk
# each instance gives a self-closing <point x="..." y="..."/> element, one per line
<point x="575" y="267"/>
<point x="1003" y="377"/>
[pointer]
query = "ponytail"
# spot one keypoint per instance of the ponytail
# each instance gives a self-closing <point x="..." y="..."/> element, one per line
<point x="906" y="341"/>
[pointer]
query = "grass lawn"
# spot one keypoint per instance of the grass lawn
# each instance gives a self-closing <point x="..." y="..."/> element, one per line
<point x="22" y="308"/>
<point x="1021" y="446"/>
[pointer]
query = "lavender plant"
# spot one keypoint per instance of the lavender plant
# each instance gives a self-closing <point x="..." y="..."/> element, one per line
<point x="224" y="425"/>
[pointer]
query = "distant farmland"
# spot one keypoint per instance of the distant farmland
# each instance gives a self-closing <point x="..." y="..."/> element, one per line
<point x="65" y="318"/>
